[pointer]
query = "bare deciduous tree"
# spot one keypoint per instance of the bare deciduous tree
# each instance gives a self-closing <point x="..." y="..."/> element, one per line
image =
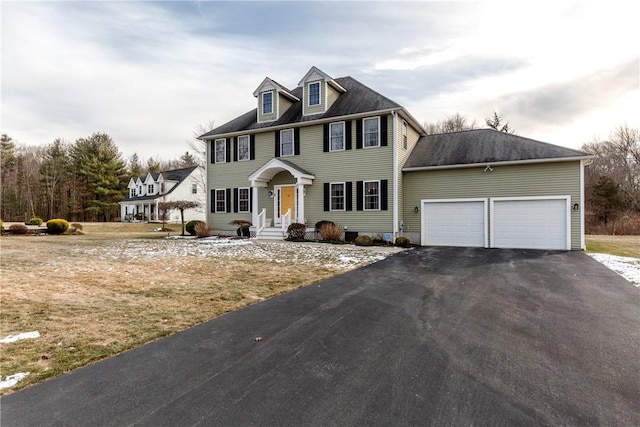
<point x="454" y="123"/>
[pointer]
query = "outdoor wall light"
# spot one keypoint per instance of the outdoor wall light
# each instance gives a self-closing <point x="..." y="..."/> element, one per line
<point x="270" y="192"/>
<point x="488" y="169"/>
<point x="576" y="206"/>
<point x="416" y="209"/>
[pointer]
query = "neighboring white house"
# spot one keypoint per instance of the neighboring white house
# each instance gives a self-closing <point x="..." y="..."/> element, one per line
<point x="147" y="192"/>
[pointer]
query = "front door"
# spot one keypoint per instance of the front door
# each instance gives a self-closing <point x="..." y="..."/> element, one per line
<point x="288" y="200"/>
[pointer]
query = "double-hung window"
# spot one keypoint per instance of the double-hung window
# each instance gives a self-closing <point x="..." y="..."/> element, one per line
<point x="150" y="189"/>
<point x="286" y="142"/>
<point x="221" y="150"/>
<point x="194" y="188"/>
<point x="337" y="196"/>
<point x="221" y="200"/>
<point x="267" y="103"/>
<point x="371" y="128"/>
<point x="314" y="93"/>
<point x="243" y="200"/>
<point x="371" y="195"/>
<point x="243" y="147"/>
<point x="404" y="134"/>
<point x="336" y="130"/>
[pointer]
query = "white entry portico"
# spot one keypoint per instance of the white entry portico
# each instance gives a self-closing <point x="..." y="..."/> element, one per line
<point x="262" y="177"/>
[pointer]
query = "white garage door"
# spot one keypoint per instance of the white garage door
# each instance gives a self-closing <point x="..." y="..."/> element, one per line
<point x="535" y="223"/>
<point x="459" y="222"/>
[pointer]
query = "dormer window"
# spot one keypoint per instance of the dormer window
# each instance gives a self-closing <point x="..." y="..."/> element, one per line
<point x="150" y="189"/>
<point x="314" y="93"/>
<point x="267" y="102"/>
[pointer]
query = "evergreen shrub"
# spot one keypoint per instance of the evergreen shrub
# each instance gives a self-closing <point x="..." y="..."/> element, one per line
<point x="57" y="226"/>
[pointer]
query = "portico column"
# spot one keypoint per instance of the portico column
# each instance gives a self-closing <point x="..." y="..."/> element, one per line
<point x="300" y="213"/>
<point x="254" y="205"/>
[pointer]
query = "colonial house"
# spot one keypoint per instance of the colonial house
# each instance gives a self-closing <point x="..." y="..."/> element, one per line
<point x="334" y="149"/>
<point x="147" y="192"/>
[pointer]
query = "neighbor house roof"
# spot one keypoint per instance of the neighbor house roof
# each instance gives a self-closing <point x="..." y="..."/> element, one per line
<point x="483" y="146"/>
<point x="357" y="99"/>
<point x="178" y="175"/>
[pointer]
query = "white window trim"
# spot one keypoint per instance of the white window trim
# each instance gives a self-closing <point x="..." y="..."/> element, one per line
<point x="215" y="148"/>
<point x="248" y="139"/>
<point x="344" y="196"/>
<point x="293" y="143"/>
<point x="309" y="104"/>
<point x="344" y="136"/>
<point x="194" y="188"/>
<point x="364" y="195"/>
<point x="248" y="199"/>
<point x="262" y="102"/>
<point x="364" y="134"/>
<point x="224" y="191"/>
<point x="405" y="138"/>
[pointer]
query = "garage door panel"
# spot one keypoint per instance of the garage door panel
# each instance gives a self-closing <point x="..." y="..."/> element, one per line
<point x="529" y="224"/>
<point x="454" y="223"/>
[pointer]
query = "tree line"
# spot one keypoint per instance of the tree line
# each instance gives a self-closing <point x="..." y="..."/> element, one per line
<point x="80" y="181"/>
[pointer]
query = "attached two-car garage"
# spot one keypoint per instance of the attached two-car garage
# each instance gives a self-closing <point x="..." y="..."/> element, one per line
<point x="540" y="222"/>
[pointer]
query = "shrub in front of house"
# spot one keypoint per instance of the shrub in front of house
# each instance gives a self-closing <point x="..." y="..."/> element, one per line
<point x="35" y="221"/>
<point x="322" y="223"/>
<point x="202" y="230"/>
<point x="296" y="232"/>
<point x="402" y="242"/>
<point x="57" y="226"/>
<point x="190" y="227"/>
<point x="18" y="229"/>
<point x="77" y="226"/>
<point x="364" y="240"/>
<point x="331" y="232"/>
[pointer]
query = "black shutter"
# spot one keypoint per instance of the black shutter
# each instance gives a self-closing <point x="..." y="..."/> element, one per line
<point x="327" y="196"/>
<point x="252" y="147"/>
<point x="359" y="195"/>
<point x="228" y="153"/>
<point x="277" y="143"/>
<point x="359" y="133"/>
<point x="348" y="195"/>
<point x="325" y="138"/>
<point x="228" y="207"/>
<point x="234" y="145"/>
<point x="296" y="141"/>
<point x="250" y="199"/>
<point x="213" y="201"/>
<point x="383" y="131"/>
<point x="235" y="200"/>
<point x="383" y="195"/>
<point x="213" y="151"/>
<point x="347" y="135"/>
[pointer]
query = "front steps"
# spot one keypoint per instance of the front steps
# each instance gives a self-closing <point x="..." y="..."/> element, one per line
<point x="271" y="233"/>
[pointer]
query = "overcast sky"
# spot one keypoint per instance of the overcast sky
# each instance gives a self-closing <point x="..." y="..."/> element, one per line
<point x="148" y="73"/>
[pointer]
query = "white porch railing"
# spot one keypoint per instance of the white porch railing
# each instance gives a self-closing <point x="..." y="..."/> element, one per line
<point x="286" y="221"/>
<point x="262" y="221"/>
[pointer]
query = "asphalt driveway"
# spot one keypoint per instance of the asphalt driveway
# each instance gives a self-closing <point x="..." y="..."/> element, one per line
<point x="432" y="336"/>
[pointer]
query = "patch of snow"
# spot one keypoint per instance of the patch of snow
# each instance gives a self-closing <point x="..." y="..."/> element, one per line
<point x="627" y="267"/>
<point x="12" y="380"/>
<point x="20" y="336"/>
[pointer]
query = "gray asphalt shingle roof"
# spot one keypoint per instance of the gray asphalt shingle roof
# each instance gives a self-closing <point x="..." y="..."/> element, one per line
<point x="482" y="146"/>
<point x="357" y="99"/>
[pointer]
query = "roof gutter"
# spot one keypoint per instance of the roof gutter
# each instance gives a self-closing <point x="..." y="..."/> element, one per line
<point x="497" y="163"/>
<point x="305" y="123"/>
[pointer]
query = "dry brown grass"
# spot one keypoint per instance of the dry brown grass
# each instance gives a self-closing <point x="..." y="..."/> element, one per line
<point x="95" y="295"/>
<point x="628" y="246"/>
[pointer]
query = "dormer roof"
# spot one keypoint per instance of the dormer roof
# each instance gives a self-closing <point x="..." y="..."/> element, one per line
<point x="316" y="74"/>
<point x="269" y="84"/>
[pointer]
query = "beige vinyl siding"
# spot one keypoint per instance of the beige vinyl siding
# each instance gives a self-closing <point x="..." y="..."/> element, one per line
<point x="338" y="166"/>
<point x="332" y="95"/>
<point x="544" y="179"/>
<point x="314" y="109"/>
<point x="403" y="155"/>
<point x="284" y="104"/>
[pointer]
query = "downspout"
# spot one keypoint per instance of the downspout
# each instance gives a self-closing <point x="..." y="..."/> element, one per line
<point x="583" y="245"/>
<point x="395" y="174"/>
